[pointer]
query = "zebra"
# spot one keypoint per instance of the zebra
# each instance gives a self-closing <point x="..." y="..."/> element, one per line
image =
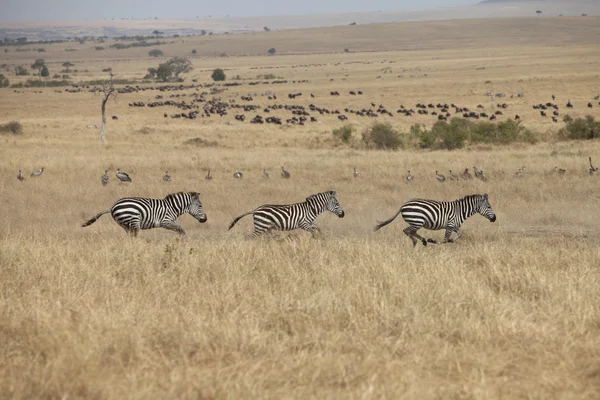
<point x="293" y="216"/>
<point x="435" y="215"/>
<point x="135" y="213"/>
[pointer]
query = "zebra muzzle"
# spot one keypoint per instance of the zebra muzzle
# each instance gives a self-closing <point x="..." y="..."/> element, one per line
<point x="341" y="215"/>
<point x="202" y="219"/>
<point x="493" y="218"/>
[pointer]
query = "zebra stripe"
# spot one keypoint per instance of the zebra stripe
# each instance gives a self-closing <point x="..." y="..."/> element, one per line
<point x="435" y="215"/>
<point x="135" y="213"/>
<point x="293" y="216"/>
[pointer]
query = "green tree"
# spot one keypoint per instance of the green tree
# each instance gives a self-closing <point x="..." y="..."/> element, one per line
<point x="68" y="65"/>
<point x="164" y="72"/>
<point x="152" y="72"/>
<point x="44" y="72"/>
<point x="156" y="53"/>
<point x="157" y="33"/>
<point x="272" y="51"/>
<point x="4" y="81"/>
<point x="180" y="65"/>
<point x="38" y="65"/>
<point x="218" y="75"/>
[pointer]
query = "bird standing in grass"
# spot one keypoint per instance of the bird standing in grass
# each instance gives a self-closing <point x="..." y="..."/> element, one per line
<point x="265" y="174"/>
<point x="37" y="173"/>
<point x="208" y="176"/>
<point x="409" y="177"/>
<point x="466" y="175"/>
<point x="104" y="179"/>
<point x="238" y="175"/>
<point x="452" y="176"/>
<point x="356" y="174"/>
<point x="439" y="177"/>
<point x="20" y="176"/>
<point x="123" y="176"/>
<point x="167" y="177"/>
<point x="285" y="174"/>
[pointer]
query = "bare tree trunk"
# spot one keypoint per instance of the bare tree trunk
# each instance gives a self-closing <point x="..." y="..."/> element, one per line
<point x="102" y="136"/>
<point x="108" y="90"/>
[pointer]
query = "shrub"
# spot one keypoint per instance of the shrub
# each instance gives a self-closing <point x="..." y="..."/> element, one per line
<point x="272" y="51"/>
<point x="344" y="133"/>
<point x="194" y="51"/>
<point x="13" y="127"/>
<point x="454" y="134"/>
<point x="21" y="71"/>
<point x="164" y="72"/>
<point x="156" y="53"/>
<point x="580" y="128"/>
<point x="382" y="136"/>
<point x="99" y="48"/>
<point x="109" y="69"/>
<point x="44" y="72"/>
<point x="4" y="82"/>
<point x="218" y="75"/>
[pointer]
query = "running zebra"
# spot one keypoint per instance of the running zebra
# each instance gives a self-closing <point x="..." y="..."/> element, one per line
<point x="135" y="213"/>
<point x="292" y="216"/>
<point x="435" y="215"/>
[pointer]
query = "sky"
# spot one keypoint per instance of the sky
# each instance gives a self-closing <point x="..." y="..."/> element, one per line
<point x="31" y="10"/>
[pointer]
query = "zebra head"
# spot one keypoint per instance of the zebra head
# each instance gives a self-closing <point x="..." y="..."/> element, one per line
<point x="326" y="201"/>
<point x="195" y="207"/>
<point x="484" y="208"/>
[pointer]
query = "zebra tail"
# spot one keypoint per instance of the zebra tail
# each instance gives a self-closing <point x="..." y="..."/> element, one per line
<point x="91" y="221"/>
<point x="381" y="224"/>
<point x="231" y="225"/>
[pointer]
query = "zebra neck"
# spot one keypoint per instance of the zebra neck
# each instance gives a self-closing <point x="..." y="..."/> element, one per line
<point x="316" y="208"/>
<point x="176" y="209"/>
<point x="465" y="210"/>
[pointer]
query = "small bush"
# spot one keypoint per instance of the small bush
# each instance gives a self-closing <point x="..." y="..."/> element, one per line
<point x="40" y="83"/>
<point x="344" y="133"/>
<point x="44" y="72"/>
<point x="156" y="53"/>
<point x="13" y="127"/>
<point x="382" y="136"/>
<point x="272" y="51"/>
<point x="218" y="75"/>
<point x="459" y="131"/>
<point x="194" y="51"/>
<point x="21" y="71"/>
<point x="4" y="82"/>
<point x="99" y="48"/>
<point x="580" y="128"/>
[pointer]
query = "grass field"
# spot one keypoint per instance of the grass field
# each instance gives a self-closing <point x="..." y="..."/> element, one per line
<point x="509" y="311"/>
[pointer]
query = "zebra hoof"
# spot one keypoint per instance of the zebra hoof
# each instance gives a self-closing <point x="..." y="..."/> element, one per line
<point x="424" y="242"/>
<point x="432" y="241"/>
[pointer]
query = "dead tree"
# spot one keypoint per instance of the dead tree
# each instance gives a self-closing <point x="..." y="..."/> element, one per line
<point x="108" y="90"/>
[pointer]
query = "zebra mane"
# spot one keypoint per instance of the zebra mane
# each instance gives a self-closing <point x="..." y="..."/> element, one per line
<point x="327" y="193"/>
<point x="472" y="197"/>
<point x="173" y="195"/>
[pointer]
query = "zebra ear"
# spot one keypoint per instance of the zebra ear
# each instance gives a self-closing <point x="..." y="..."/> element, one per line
<point x="332" y="192"/>
<point x="196" y="194"/>
<point x="485" y="196"/>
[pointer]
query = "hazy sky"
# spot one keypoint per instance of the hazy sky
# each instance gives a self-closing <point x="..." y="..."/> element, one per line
<point x="24" y="10"/>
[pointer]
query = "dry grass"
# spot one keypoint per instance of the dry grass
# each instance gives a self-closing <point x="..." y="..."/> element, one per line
<point x="509" y="311"/>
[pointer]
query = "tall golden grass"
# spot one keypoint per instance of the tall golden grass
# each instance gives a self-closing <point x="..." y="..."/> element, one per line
<point x="509" y="311"/>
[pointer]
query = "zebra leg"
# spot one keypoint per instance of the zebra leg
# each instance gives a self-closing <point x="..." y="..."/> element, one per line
<point x="411" y="232"/>
<point x="172" y="226"/>
<point x="449" y="232"/>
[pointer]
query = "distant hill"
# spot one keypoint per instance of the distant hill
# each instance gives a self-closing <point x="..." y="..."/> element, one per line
<point x="48" y="30"/>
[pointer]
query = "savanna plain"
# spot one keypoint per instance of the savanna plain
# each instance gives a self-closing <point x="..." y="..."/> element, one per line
<point x="508" y="311"/>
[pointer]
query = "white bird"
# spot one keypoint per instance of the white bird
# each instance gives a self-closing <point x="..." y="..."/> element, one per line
<point x="356" y="173"/>
<point x="167" y="177"/>
<point x="20" y="176"/>
<point x="439" y="177"/>
<point x="409" y="177"/>
<point x="37" y="173"/>
<point x="238" y="175"/>
<point x="452" y="176"/>
<point x="123" y="176"/>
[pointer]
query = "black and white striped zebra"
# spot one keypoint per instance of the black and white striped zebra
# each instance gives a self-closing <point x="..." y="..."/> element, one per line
<point x="292" y="216"/>
<point x="435" y="215"/>
<point x="135" y="213"/>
